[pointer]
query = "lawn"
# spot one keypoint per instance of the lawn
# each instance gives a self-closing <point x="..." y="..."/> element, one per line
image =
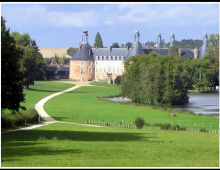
<point x="82" y="103"/>
<point x="63" y="145"/>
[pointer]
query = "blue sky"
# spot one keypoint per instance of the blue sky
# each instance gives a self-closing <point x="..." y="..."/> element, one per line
<point x="61" y="25"/>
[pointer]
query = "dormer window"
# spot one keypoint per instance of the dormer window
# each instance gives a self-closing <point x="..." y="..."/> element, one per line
<point x="98" y="58"/>
<point x="107" y="58"/>
<point x="120" y="58"/>
<point x="102" y="58"/>
<point x="111" y="58"/>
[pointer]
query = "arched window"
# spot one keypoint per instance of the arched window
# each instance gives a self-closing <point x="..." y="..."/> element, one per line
<point x="82" y="70"/>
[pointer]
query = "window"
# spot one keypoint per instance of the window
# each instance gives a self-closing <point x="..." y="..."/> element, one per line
<point x="104" y="70"/>
<point x="90" y="62"/>
<point x="90" y="70"/>
<point x="82" y="62"/>
<point x="100" y="69"/>
<point x="115" y="57"/>
<point x="102" y="58"/>
<point x="111" y="58"/>
<point x="82" y="70"/>
<point x="71" y="62"/>
<point x="109" y="69"/>
<point x="96" y="70"/>
<point x="107" y="58"/>
<point x="98" y="58"/>
<point x="113" y="70"/>
<point x="117" y="70"/>
<point x="119" y="58"/>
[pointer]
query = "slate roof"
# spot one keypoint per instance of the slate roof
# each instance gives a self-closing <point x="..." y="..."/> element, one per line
<point x="59" y="69"/>
<point x="83" y="53"/>
<point x="187" y="53"/>
<point x="161" y="51"/>
<point x="106" y="52"/>
<point x="135" y="50"/>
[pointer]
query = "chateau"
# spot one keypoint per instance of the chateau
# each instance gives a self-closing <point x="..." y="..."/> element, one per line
<point x="105" y="64"/>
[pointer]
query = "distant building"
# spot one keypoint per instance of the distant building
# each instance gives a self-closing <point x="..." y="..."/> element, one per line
<point x="105" y="64"/>
<point x="58" y="71"/>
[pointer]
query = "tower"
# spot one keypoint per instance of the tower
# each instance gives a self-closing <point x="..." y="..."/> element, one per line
<point x="84" y="36"/>
<point x="172" y="39"/>
<point x="158" y="41"/>
<point x="204" y="46"/>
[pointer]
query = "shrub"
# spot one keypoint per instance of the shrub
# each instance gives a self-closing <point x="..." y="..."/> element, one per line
<point x="18" y="119"/>
<point x="139" y="122"/>
<point x="118" y="80"/>
<point x="7" y="120"/>
<point x="203" y="130"/>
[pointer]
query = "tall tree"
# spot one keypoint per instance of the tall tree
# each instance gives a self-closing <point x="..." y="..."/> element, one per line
<point x="11" y="75"/>
<point x="71" y="51"/>
<point x="32" y="64"/>
<point x="98" y="41"/>
<point x="115" y="45"/>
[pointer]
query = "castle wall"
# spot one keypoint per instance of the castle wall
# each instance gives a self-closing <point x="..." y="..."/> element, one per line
<point x="116" y="68"/>
<point x="75" y="70"/>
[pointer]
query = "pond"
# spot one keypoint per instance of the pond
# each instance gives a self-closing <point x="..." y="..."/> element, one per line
<point x="205" y="103"/>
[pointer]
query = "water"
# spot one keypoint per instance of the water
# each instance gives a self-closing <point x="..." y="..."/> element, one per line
<point x="205" y="103"/>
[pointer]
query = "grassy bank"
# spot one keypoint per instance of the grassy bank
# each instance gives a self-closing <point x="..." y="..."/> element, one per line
<point x="82" y="103"/>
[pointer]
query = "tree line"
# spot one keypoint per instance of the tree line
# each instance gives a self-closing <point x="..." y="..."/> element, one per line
<point x="154" y="79"/>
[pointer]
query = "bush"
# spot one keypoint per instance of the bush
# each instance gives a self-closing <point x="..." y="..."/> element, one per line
<point x="7" y="120"/>
<point x="203" y="130"/>
<point x="164" y="126"/>
<point x="139" y="122"/>
<point x="118" y="80"/>
<point x="19" y="119"/>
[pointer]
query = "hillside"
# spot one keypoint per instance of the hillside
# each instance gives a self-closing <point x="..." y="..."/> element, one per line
<point x="50" y="52"/>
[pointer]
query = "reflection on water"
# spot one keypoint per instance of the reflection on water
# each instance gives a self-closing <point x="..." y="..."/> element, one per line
<point x="205" y="103"/>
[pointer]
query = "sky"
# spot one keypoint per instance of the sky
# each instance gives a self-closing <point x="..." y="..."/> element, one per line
<point x="56" y="25"/>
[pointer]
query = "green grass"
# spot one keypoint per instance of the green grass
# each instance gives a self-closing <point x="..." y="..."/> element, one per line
<point x="105" y="84"/>
<point x="62" y="145"/>
<point x="82" y="103"/>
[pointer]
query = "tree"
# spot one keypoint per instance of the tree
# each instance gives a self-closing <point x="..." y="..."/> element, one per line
<point x="22" y="39"/>
<point x="128" y="44"/>
<point x="98" y="41"/>
<point x="11" y="75"/>
<point x="71" y="51"/>
<point x="173" y="51"/>
<point x="32" y="64"/>
<point x="55" y="59"/>
<point x="115" y="45"/>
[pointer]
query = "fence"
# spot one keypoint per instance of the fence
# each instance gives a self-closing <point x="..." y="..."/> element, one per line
<point x="173" y="126"/>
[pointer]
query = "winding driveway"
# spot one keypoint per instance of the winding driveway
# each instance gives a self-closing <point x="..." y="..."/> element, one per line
<point x="43" y="114"/>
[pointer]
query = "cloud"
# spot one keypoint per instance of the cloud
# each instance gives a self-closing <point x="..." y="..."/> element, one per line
<point x="39" y="15"/>
<point x="153" y="14"/>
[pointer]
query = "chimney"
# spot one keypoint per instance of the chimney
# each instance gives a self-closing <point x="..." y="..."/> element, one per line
<point x="79" y="46"/>
<point x="127" y="48"/>
<point x="89" y="52"/>
<point x="110" y="48"/>
<point x="179" y="50"/>
<point x="195" y="52"/>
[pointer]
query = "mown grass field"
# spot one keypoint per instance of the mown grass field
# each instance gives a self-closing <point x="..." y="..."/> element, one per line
<point x="65" y="145"/>
<point x="82" y="103"/>
<point x="62" y="145"/>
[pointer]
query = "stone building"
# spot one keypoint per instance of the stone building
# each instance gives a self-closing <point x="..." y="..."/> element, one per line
<point x="105" y="64"/>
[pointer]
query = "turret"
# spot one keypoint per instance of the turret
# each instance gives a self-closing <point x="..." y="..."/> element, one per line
<point x="85" y="37"/>
<point x="158" y="41"/>
<point x="204" y="46"/>
<point x="172" y="39"/>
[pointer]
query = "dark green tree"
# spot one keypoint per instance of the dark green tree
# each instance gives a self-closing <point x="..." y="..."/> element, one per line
<point x="98" y="41"/>
<point x="11" y="75"/>
<point x="173" y="51"/>
<point x="128" y="44"/>
<point x="115" y="45"/>
<point x="71" y="51"/>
